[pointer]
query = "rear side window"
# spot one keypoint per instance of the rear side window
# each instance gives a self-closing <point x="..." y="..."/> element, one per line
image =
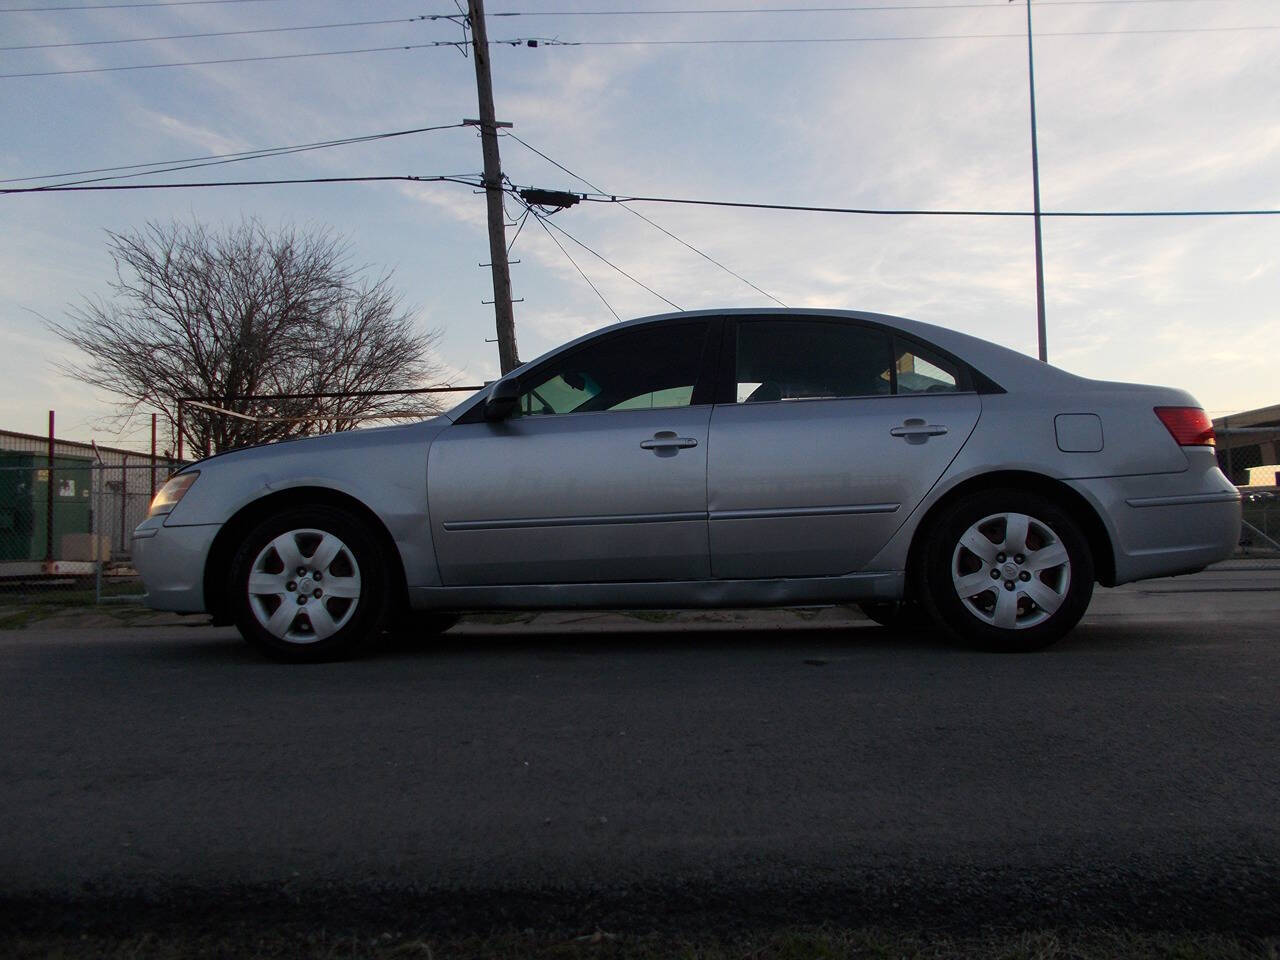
<point x="811" y="359"/>
<point x="920" y="370"/>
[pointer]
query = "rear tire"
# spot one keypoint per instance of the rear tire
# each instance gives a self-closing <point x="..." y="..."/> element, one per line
<point x="309" y="585"/>
<point x="1007" y="570"/>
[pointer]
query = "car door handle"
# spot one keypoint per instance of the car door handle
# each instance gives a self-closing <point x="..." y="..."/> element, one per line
<point x="667" y="440"/>
<point x="917" y="431"/>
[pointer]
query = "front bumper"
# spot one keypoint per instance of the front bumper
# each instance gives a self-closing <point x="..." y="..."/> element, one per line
<point x="171" y="562"/>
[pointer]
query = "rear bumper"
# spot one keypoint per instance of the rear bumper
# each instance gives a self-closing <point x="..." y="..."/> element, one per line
<point x="171" y="562"/>
<point x="1166" y="524"/>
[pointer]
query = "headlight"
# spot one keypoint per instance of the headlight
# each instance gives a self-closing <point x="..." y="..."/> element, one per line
<point x="174" y="490"/>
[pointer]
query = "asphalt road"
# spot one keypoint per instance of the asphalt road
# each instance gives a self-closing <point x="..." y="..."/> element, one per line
<point x="627" y="772"/>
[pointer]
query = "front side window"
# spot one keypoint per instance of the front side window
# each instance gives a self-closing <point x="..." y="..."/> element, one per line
<point x="811" y="359"/>
<point x="644" y="369"/>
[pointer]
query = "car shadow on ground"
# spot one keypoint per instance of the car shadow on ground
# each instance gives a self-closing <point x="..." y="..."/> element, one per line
<point x="597" y="635"/>
<point x="474" y="640"/>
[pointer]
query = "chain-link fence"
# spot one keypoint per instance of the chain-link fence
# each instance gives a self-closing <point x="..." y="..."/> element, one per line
<point x="1260" y="512"/>
<point x="66" y="527"/>
<point x="1249" y="454"/>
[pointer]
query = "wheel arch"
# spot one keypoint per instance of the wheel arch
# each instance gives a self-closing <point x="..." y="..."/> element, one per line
<point x="1095" y="531"/>
<point x="228" y="540"/>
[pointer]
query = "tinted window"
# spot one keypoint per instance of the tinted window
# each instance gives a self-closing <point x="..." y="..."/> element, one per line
<point x="637" y="369"/>
<point x="805" y="359"/>
<point x="923" y="371"/>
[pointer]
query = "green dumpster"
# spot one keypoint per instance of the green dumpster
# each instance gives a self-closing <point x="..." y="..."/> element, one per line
<point x="24" y="499"/>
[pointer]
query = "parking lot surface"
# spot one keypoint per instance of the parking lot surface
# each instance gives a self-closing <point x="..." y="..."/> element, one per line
<point x="640" y="769"/>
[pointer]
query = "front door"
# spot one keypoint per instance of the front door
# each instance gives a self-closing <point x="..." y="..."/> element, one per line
<point x="600" y="476"/>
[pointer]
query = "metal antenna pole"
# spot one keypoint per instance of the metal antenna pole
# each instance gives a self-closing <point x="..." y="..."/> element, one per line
<point x="1035" y="191"/>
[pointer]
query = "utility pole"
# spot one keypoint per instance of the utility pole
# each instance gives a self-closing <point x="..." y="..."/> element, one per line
<point x="508" y="358"/>
<point x="1035" y="192"/>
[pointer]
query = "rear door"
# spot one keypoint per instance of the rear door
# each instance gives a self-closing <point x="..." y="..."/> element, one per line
<point x="831" y="432"/>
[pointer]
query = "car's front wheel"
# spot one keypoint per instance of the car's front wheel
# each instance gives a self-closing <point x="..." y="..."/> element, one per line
<point x="1007" y="570"/>
<point x="309" y="584"/>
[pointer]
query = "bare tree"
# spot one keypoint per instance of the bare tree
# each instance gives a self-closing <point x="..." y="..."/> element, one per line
<point x="222" y="315"/>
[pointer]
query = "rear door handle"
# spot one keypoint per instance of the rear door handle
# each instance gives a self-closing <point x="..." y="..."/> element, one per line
<point x="917" y="431"/>
<point x="667" y="440"/>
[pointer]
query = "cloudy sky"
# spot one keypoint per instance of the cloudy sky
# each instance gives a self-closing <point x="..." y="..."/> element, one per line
<point x="902" y="104"/>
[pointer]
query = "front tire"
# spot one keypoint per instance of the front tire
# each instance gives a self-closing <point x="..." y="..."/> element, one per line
<point x="308" y="585"/>
<point x="1007" y="570"/>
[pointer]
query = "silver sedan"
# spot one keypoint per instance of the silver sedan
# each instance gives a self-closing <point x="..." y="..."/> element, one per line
<point x="707" y="459"/>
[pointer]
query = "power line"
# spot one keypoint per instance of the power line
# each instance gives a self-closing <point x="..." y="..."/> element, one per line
<point x="556" y="42"/>
<point x="448" y="178"/>
<point x="127" y="6"/>
<point x="758" y="41"/>
<point x="197" y="63"/>
<point x="188" y="163"/>
<point x="581" y="272"/>
<point x="868" y="211"/>
<point x="862" y="8"/>
<point x="656" y="226"/>
<point x="545" y="221"/>
<point x="219" y="33"/>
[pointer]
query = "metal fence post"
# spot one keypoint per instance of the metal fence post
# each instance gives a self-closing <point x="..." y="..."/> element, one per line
<point x="48" y="506"/>
<point x="95" y="524"/>
<point x="124" y="498"/>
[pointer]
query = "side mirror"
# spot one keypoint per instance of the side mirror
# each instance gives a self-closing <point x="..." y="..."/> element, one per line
<point x="503" y="400"/>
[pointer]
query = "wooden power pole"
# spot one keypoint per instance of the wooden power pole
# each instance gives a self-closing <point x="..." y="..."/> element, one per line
<point x="508" y="358"/>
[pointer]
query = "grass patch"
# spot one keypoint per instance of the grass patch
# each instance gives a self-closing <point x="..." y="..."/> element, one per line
<point x="27" y="615"/>
<point x="801" y="943"/>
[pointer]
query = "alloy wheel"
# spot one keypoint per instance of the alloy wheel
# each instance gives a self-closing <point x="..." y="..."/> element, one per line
<point x="304" y="586"/>
<point x="1011" y="571"/>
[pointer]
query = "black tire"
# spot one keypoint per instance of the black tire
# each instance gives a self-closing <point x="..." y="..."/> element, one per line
<point x="902" y="615"/>
<point x="333" y="625"/>
<point x="999" y="596"/>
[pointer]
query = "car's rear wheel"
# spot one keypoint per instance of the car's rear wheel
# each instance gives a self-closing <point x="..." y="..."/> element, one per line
<point x="308" y="585"/>
<point x="1007" y="570"/>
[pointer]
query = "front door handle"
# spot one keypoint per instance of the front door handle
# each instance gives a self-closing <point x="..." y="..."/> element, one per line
<point x="667" y="440"/>
<point x="917" y="431"/>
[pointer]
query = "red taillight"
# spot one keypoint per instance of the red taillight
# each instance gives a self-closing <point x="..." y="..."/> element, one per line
<point x="1190" y="426"/>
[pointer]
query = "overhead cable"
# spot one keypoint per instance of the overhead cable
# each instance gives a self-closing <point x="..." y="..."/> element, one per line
<point x="542" y="223"/>
<point x="127" y="6"/>
<point x="861" y="8"/>
<point x="656" y="226"/>
<point x="546" y="221"/>
<point x="465" y="180"/>
<point x="902" y="212"/>
<point x="218" y="33"/>
<point x="765" y="41"/>
<point x="188" y="163"/>
<point x="198" y="63"/>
